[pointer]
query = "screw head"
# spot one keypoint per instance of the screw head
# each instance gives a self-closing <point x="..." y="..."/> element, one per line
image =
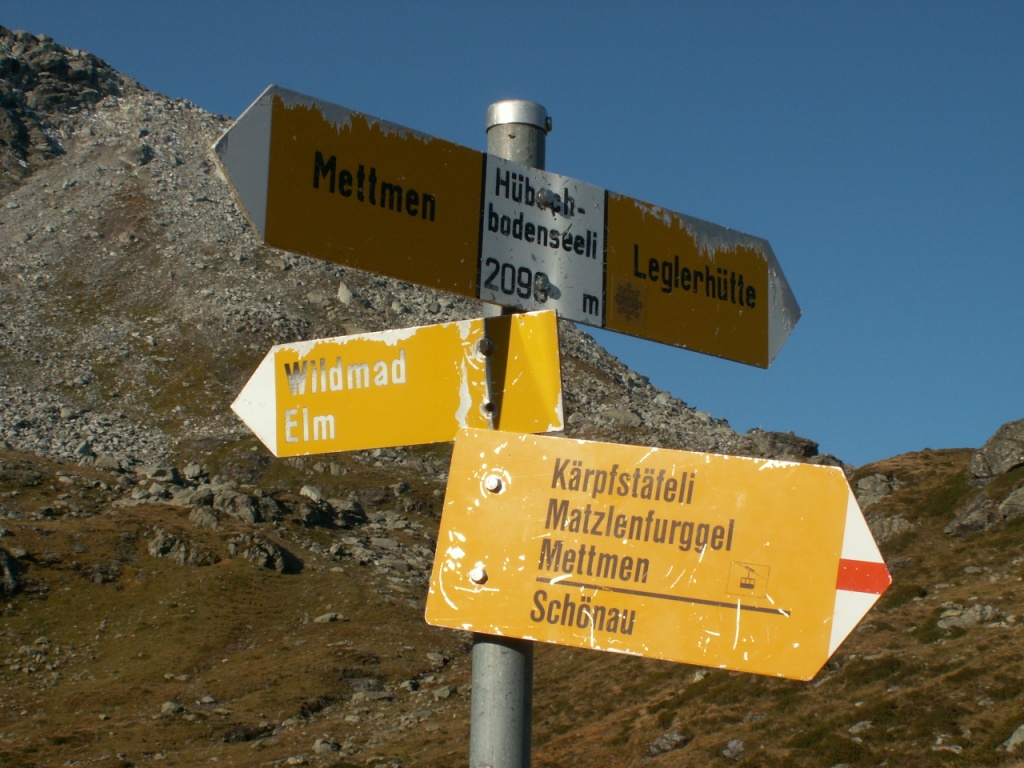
<point x="485" y="347"/>
<point x="478" y="575"/>
<point x="492" y="483"/>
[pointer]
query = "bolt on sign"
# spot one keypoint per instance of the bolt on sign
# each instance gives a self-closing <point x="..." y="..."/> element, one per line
<point x="406" y="387"/>
<point x="747" y="564"/>
<point x="323" y="180"/>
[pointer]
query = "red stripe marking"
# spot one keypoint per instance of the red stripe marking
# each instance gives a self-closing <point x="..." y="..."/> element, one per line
<point x="863" y="576"/>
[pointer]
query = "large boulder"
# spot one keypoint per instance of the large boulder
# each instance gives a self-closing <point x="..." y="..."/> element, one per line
<point x="1003" y="451"/>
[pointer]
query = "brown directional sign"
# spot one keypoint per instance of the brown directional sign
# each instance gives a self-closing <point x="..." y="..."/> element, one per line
<point x="323" y="180"/>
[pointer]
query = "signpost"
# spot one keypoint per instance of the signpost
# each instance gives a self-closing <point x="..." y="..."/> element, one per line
<point x="406" y="387"/>
<point x="319" y="179"/>
<point x="747" y="564"/>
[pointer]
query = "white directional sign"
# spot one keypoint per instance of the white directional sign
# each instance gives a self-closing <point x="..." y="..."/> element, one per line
<point x="748" y="564"/>
<point x="542" y="243"/>
<point x="323" y="180"/>
<point x="406" y="387"/>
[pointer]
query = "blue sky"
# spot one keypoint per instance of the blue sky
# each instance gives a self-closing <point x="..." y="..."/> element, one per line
<point x="878" y="146"/>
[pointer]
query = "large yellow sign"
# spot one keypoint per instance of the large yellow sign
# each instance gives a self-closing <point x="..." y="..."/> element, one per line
<point x="323" y="180"/>
<point x="406" y="387"/>
<point x="747" y="564"/>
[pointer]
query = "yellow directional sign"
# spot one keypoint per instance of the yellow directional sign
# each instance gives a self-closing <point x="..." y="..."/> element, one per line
<point x="406" y="387"/>
<point x="747" y="564"/>
<point x="320" y="179"/>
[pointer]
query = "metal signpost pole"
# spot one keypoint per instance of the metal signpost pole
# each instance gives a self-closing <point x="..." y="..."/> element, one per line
<point x="502" y="699"/>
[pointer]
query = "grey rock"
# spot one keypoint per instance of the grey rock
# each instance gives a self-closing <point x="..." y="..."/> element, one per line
<point x="977" y="514"/>
<point x="140" y="154"/>
<point x="874" y="488"/>
<point x="330" y="618"/>
<point x="1015" y="741"/>
<point x="980" y="512"/>
<point x="1001" y="453"/>
<point x="193" y="472"/>
<point x="319" y="300"/>
<point x="351" y="512"/>
<point x="1013" y="505"/>
<point x="9" y="581"/>
<point x="269" y="509"/>
<point x="439" y="660"/>
<point x="49" y="557"/>
<point x="958" y="617"/>
<point x="734" y="750"/>
<point x="621" y="416"/>
<point x="372" y="696"/>
<point x="161" y="473"/>
<point x="312" y="514"/>
<point x="885" y="528"/>
<point x="105" y="573"/>
<point x="336" y="550"/>
<point x="668" y="742"/>
<point x="395" y="521"/>
<point x="239" y="505"/>
<point x="860" y="727"/>
<point x="783" y="445"/>
<point x="325" y="747"/>
<point x="171" y="708"/>
<point x="260" y="551"/>
<point x="311" y="492"/>
<point x="344" y="293"/>
<point x="364" y="684"/>
<point x="204" y="517"/>
<point x="108" y="463"/>
<point x="200" y="496"/>
<point x="164" y="544"/>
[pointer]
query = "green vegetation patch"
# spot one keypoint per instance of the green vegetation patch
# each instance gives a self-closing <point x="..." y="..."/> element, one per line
<point x="947" y="496"/>
<point x="899" y="594"/>
<point x="863" y="671"/>
<point x="930" y="631"/>
<point x="830" y="745"/>
<point x="1002" y="486"/>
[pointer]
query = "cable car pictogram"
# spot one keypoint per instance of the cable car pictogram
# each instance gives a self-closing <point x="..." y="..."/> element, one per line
<point x="748" y="581"/>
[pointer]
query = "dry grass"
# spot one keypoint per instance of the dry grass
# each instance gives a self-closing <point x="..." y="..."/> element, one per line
<point x="259" y="681"/>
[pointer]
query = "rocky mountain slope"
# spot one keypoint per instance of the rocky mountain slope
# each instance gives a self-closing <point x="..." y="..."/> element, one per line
<point x="175" y="595"/>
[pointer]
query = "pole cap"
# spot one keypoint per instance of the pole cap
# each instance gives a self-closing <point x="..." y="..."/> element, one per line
<point x="518" y="111"/>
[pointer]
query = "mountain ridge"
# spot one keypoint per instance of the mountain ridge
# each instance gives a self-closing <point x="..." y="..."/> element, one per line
<point x="140" y="188"/>
<point x="153" y="555"/>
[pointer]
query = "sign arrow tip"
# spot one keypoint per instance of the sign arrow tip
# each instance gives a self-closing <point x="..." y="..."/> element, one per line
<point x="256" y="404"/>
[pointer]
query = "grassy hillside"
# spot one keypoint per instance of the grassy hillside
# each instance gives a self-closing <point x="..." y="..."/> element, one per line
<point x="114" y="656"/>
